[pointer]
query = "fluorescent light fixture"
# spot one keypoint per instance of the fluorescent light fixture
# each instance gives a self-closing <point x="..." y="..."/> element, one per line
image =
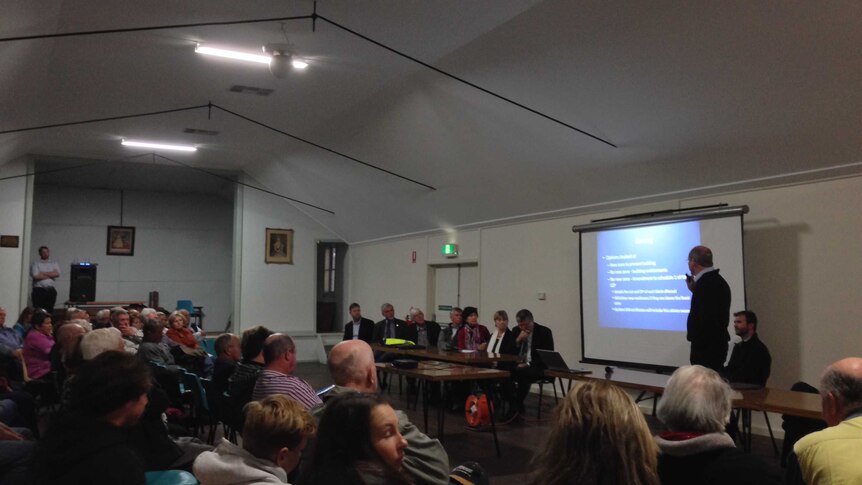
<point x="241" y="56"/>
<point x="299" y="64"/>
<point x="162" y="146"/>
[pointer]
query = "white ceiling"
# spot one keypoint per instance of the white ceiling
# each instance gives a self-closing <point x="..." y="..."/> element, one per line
<point x="696" y="95"/>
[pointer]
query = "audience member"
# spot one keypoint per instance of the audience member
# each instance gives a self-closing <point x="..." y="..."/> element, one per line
<point x="472" y="336"/>
<point x="121" y="321"/>
<point x="44" y="272"/>
<point x="99" y="341"/>
<point x="358" y="441"/>
<point x="136" y="322"/>
<point x="695" y="408"/>
<point x="448" y="335"/>
<point x="16" y="448"/>
<point x="502" y="341"/>
<point x="22" y="325"/>
<point x="66" y="354"/>
<point x="279" y="356"/>
<point x="11" y="350"/>
<point x="358" y="327"/>
<point x="750" y="361"/>
<point x="422" y="332"/>
<point x="529" y="337"/>
<point x="38" y="344"/>
<point x="389" y="327"/>
<point x="228" y="353"/>
<point x="103" y="318"/>
<point x="179" y="333"/>
<point x="88" y="444"/>
<point x="351" y="365"/>
<point x="599" y="437"/>
<point x="152" y="349"/>
<point x="831" y="456"/>
<point x="275" y="433"/>
<point x="241" y="382"/>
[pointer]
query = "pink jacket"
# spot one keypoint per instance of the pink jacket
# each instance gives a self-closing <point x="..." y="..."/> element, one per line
<point x="37" y="348"/>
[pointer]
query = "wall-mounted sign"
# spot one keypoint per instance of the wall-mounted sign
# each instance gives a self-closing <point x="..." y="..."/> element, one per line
<point x="8" y="241"/>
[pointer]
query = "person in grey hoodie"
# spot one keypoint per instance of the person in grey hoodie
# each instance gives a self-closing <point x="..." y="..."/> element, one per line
<point x="275" y="433"/>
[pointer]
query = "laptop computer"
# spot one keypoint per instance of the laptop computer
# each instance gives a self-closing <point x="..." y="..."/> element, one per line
<point x="554" y="361"/>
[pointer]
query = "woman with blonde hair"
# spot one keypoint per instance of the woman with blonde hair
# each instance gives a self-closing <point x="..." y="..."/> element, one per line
<point x="600" y="438"/>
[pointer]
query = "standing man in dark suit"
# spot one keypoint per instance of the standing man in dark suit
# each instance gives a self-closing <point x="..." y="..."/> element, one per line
<point x="529" y="337"/>
<point x="358" y="327"/>
<point x="422" y="332"/>
<point x="389" y="327"/>
<point x="710" y="311"/>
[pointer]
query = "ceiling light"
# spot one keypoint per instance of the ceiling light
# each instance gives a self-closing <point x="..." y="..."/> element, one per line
<point x="162" y="146"/>
<point x="299" y="64"/>
<point x="241" y="56"/>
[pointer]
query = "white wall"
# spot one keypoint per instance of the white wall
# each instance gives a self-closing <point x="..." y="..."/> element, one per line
<point x="384" y="272"/>
<point x="802" y="247"/>
<point x="13" y="202"/>
<point x="280" y="297"/>
<point x="182" y="245"/>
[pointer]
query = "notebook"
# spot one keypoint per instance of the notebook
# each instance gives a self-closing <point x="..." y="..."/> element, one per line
<point x="554" y="361"/>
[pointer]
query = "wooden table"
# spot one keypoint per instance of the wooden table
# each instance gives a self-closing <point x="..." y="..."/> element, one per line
<point x="793" y="403"/>
<point x="92" y="307"/>
<point x="437" y="371"/>
<point x="457" y="357"/>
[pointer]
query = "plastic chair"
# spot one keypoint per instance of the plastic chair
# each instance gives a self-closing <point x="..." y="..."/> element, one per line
<point x="170" y="477"/>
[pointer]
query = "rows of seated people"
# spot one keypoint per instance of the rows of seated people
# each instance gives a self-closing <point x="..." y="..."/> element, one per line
<point x="110" y="425"/>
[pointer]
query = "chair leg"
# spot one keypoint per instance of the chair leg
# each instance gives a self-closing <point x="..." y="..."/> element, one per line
<point x="539" y="412"/>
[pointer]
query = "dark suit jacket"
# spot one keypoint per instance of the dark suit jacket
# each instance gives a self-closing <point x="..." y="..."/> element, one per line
<point x="507" y="346"/>
<point x="432" y="329"/>
<point x="543" y="339"/>
<point x="366" y="330"/>
<point x="710" y="310"/>
<point x="750" y="362"/>
<point x="380" y="330"/>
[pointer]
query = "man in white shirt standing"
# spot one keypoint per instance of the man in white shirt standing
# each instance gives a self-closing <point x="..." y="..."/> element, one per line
<point x="44" y="273"/>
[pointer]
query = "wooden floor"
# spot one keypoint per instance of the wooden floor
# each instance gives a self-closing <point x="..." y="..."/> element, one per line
<point x="517" y="440"/>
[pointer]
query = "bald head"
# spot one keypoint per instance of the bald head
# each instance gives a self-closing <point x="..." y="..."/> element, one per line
<point x="351" y="364"/>
<point x="701" y="255"/>
<point x="841" y="389"/>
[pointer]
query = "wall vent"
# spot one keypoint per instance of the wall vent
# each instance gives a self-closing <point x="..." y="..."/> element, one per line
<point x="237" y="88"/>
<point x="195" y="131"/>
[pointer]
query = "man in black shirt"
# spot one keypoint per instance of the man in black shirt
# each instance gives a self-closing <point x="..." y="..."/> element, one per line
<point x="750" y="362"/>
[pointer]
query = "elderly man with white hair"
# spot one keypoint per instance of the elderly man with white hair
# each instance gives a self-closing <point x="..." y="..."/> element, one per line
<point x="695" y="408"/>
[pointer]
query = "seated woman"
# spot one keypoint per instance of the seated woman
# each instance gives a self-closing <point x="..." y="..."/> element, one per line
<point x="600" y="436"/>
<point x="357" y="442"/>
<point x="695" y="407"/>
<point x="179" y="333"/>
<point x="472" y="336"/>
<point x="38" y="344"/>
<point x="502" y="341"/>
<point x="22" y="326"/>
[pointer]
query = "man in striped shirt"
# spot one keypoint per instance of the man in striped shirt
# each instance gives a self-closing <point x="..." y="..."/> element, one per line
<point x="279" y="357"/>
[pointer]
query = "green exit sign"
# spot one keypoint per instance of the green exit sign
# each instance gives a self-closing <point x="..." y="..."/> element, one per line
<point x="450" y="250"/>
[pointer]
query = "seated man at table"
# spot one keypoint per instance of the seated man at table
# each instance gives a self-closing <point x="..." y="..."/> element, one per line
<point x="389" y="327"/>
<point x="832" y="455"/>
<point x="422" y="332"/>
<point x="358" y="327"/>
<point x="529" y="337"/>
<point x="750" y="361"/>
<point x="448" y="335"/>
<point x="351" y="364"/>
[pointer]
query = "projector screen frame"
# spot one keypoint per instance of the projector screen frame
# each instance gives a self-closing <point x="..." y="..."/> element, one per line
<point x="651" y="219"/>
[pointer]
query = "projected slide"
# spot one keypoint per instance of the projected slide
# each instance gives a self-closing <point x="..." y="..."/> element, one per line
<point x="641" y="276"/>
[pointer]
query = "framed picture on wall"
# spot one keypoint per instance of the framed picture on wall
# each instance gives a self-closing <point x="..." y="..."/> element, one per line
<point x="279" y="246"/>
<point x="121" y="241"/>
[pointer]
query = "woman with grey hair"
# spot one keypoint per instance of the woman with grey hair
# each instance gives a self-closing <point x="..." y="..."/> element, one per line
<point x="695" y="408"/>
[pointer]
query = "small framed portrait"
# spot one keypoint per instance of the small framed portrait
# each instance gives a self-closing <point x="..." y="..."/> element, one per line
<point x="279" y="246"/>
<point x="121" y="241"/>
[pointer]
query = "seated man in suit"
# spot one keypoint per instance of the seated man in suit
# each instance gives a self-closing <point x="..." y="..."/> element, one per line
<point x="422" y="332"/>
<point x="389" y="327"/>
<point x="750" y="361"/>
<point x="358" y="327"/>
<point x="529" y="337"/>
<point x="448" y="336"/>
